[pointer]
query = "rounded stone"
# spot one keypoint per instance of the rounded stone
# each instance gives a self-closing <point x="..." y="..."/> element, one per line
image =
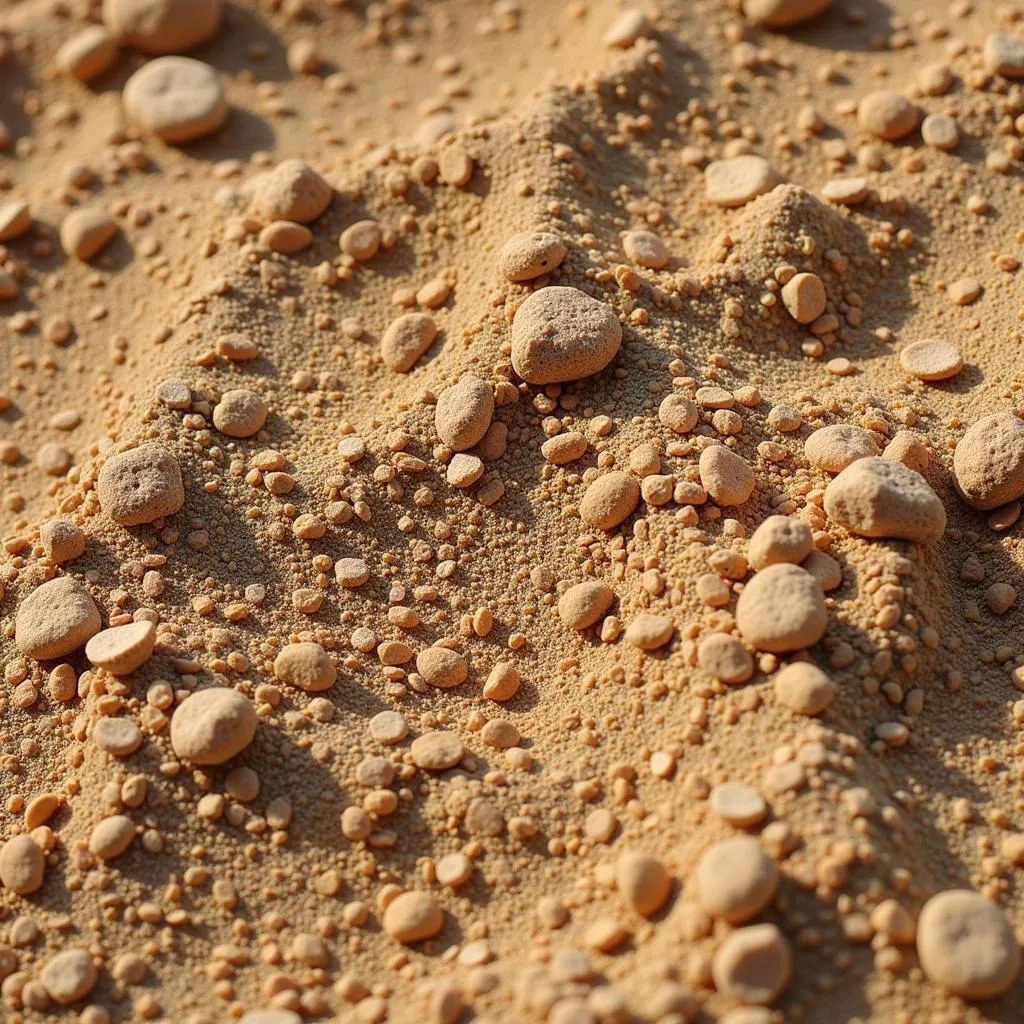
<point x="737" y="180"/>
<point x="22" y="865"/>
<point x="782" y="13"/>
<point x="292" y="191"/>
<point x="405" y="339"/>
<point x="436" y="751"/>
<point x="442" y="667"/>
<point x="86" y="231"/>
<point x="642" y="881"/>
<point x="240" y="413"/>
<point x="803" y="688"/>
<point x="111" y="836"/>
<point x="211" y="726"/>
<point x="531" y="254"/>
<point x="87" y="54"/>
<point x="780" y="539"/>
<point x="726" y="476"/>
<point x="988" y="463"/>
<point x="56" y="619"/>
<point x="724" y="657"/>
<point x="177" y="99"/>
<point x="753" y="964"/>
<point x="140" y="485"/>
<point x="887" y="114"/>
<point x="122" y="649"/>
<point x="931" y="360"/>
<point x="305" y="665"/>
<point x="834" y="447"/>
<point x="464" y="412"/>
<point x="69" y="976"/>
<point x="736" y="879"/>
<point x="163" y="26"/>
<point x="610" y="500"/>
<point x="585" y="603"/>
<point x="782" y="609"/>
<point x="412" y="917"/>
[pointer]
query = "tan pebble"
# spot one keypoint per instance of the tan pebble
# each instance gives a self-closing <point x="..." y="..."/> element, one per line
<point x="406" y="339"/>
<point x="140" y="485"/>
<point x="240" y="413"/>
<point x="502" y="682"/>
<point x="274" y="1016"/>
<point x="780" y="539"/>
<point x="174" y="393"/>
<point x="122" y="649"/>
<point x="562" y="334"/>
<point x="453" y="870"/>
<point x="22" y="865"/>
<point x="285" y="237"/>
<point x="642" y="881"/>
<point x="15" y="219"/>
<point x="833" y="448"/>
<point x="585" y="603"/>
<point x="163" y="26"/>
<point x="463" y="412"/>
<point x="679" y="414"/>
<point x="988" y="463"/>
<point x="361" y="240"/>
<point x="305" y="665"/>
<point x="782" y="609"/>
<point x="531" y="254"/>
<point x="84" y="232"/>
<point x="464" y="470"/>
<point x="804" y="297"/>
<point x="564" y="448"/>
<point x="69" y="976"/>
<point x="211" y="726"/>
<point x="63" y="540"/>
<point x="237" y="348"/>
<point x="906" y="447"/>
<point x="877" y="497"/>
<point x="302" y="57"/>
<point x="442" y="667"/>
<point x="645" y="249"/>
<point x="894" y="921"/>
<point x="53" y="459"/>
<point x="964" y="291"/>
<point x="931" y="360"/>
<point x="389" y="727"/>
<point x="436" y="751"/>
<point x="610" y="500"/>
<point x="736" y="181"/>
<point x="292" y="191"/>
<point x="40" y="809"/>
<point x="118" y="736"/>
<point x="111" y="836"/>
<point x="782" y="13"/>
<point x="887" y="114"/>
<point x="500" y="734"/>
<point x="649" y="632"/>
<point x="803" y="688"/>
<point x="456" y="166"/>
<point x="724" y="657"/>
<point x="739" y="805"/>
<point x="845" y="191"/>
<point x="941" y="132"/>
<point x="726" y="476"/>
<point x="966" y="945"/>
<point x="351" y="572"/>
<point x="628" y="27"/>
<point x="87" y="54"/>
<point x="177" y="99"/>
<point x="56" y="619"/>
<point x="736" y="879"/>
<point x="753" y="964"/>
<point x="1003" y="54"/>
<point x="413" y="917"/>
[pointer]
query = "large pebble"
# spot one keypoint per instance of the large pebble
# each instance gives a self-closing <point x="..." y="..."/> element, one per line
<point x="803" y="688"/>
<point x="736" y="879"/>
<point x="122" y="649"/>
<point x="211" y="726"/>
<point x="649" y="632"/>
<point x="1003" y="54"/>
<point x="882" y="498"/>
<point x="305" y="665"/>
<point x="436" y="751"/>
<point x="887" y="114"/>
<point x="804" y="297"/>
<point x="562" y="334"/>
<point x="22" y="865"/>
<point x="406" y="339"/>
<point x="240" y="413"/>
<point x="782" y="13"/>
<point x="643" y="881"/>
<point x="162" y="26"/>
<point x="84" y="232"/>
<point x="726" y="476"/>
<point x="833" y="448"/>
<point x="178" y="99"/>
<point x="63" y="540"/>
<point x="931" y="359"/>
<point x="464" y="412"/>
<point x="140" y="485"/>
<point x="111" y="836"/>
<point x="585" y="603"/>
<point x="412" y="917"/>
<point x="55" y="619"/>
<point x="780" y="539"/>
<point x="87" y="53"/>
<point x="15" y="219"/>
<point x="782" y="609"/>
<point x="739" y="179"/>
<point x="69" y="976"/>
<point x="442" y="667"/>
<point x="988" y="464"/>
<point x="966" y="944"/>
<point x="610" y="500"/>
<point x="292" y="191"/>
<point x="753" y="964"/>
<point x="531" y="254"/>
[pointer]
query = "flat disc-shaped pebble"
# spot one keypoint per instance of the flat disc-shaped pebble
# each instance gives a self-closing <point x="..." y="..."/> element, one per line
<point x="435" y="751"/>
<point x="753" y="964"/>
<point x="163" y="26"/>
<point x="531" y="254"/>
<point x="931" y="360"/>
<point x="176" y="98"/>
<point x="739" y="179"/>
<point x="782" y="609"/>
<point x="55" y="619"/>
<point x="122" y="649"/>
<point x="212" y="726"/>
<point x="881" y="498"/>
<point x="736" y="879"/>
<point x="140" y="485"/>
<point x="966" y="944"/>
<point x="834" y="447"/>
<point x="562" y="334"/>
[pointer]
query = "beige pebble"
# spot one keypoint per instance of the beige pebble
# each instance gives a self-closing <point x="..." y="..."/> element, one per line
<point x="878" y="497"/>
<point x="724" y="657"/>
<point x="645" y="249"/>
<point x="964" y="291"/>
<point x="453" y="870"/>
<point x="887" y="114"/>
<point x="455" y="166"/>
<point x="803" y="688"/>
<point x="649" y="632"/>
<point x="782" y="609"/>
<point x="931" y="360"/>
<point x="464" y="470"/>
<point x="285" y="237"/>
<point x="678" y="413"/>
<point x="737" y="180"/>
<point x="69" y="976"/>
<point x="389" y="727"/>
<point x="240" y="413"/>
<point x="122" y="649"/>
<point x="1003" y="54"/>
<point x="988" y="463"/>
<point x="502" y="682"/>
<point x="436" y="751"/>
<point x="736" y="879"/>
<point x="562" y="334"/>
<point x="610" y="500"/>
<point x="22" y="865"/>
<point x="292" y="191"/>
<point x="941" y="132"/>
<point x="163" y="26"/>
<point x="63" y="540"/>
<point x="966" y="944"/>
<point x="177" y="99"/>
<point x="726" y="476"/>
<point x="174" y="393"/>
<point x="845" y="191"/>
<point x="531" y="254"/>
<point x="739" y="805"/>
<point x="118" y="736"/>
<point x="833" y="448"/>
<point x="84" y="232"/>
<point x="804" y="297"/>
<point x="53" y="459"/>
<point x="15" y="219"/>
<point x="56" y="619"/>
<point x="464" y="412"/>
<point x="628" y="27"/>
<point x="274" y="1016"/>
<point x="585" y="603"/>
<point x="111" y="836"/>
<point x="406" y="339"/>
<point x="361" y="240"/>
<point x="643" y="882"/>
<point x="413" y="917"/>
<point x="211" y="726"/>
<point x="782" y="13"/>
<point x="753" y="964"/>
<point x="906" y="447"/>
<point x="87" y="54"/>
<point x="780" y="539"/>
<point x="351" y="572"/>
<point x="305" y="665"/>
<point x="140" y="485"/>
<point x="442" y="667"/>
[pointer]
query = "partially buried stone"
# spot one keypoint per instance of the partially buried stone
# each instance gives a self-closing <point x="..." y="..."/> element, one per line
<point x="562" y="334"/>
<point x="211" y="726"/>
<point x="585" y="603"/>
<point x="140" y="485"/>
<point x="63" y="540"/>
<point x="118" y="736"/>
<point x="406" y="339"/>
<point x="240" y="413"/>
<point x="736" y="879"/>
<point x="1003" y="54"/>
<point x="464" y="412"/>
<point x="87" y="54"/>
<point x="178" y="99"/>
<point x="57" y="618"/>
<point x="782" y="609"/>
<point x="782" y="13"/>
<point x="834" y="447"/>
<point x="726" y="476"/>
<point x="649" y="632"/>
<point x="780" y="539"/>
<point x="645" y="249"/>
<point x="412" y="917"/>
<point x="305" y="665"/>
<point x="988" y="463"/>
<point x="436" y="751"/>
<point x="610" y="500"/>
<point x="739" y="179"/>
<point x="531" y="254"/>
<point x="442" y="667"/>
<point x="69" y="976"/>
<point x="163" y="26"/>
<point x="753" y="964"/>
<point x="803" y="688"/>
<point x="291" y="191"/>
<point x="84" y="232"/>
<point x="122" y="649"/>
<point x="881" y="498"/>
<point x="724" y="657"/>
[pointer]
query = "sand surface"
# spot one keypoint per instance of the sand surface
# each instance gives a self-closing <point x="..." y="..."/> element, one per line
<point x="459" y="794"/>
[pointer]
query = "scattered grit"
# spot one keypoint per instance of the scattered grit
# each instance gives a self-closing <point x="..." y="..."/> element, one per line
<point x="511" y="511"/>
